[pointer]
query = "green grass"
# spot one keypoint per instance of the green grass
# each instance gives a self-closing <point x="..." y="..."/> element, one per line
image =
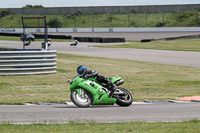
<point x="146" y="81"/>
<point x="13" y="38"/>
<point x="9" y="38"/>
<point x="182" y="19"/>
<point x="132" y="127"/>
<point x="177" y="45"/>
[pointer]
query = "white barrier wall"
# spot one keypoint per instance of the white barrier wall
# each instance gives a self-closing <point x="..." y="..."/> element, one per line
<point x="70" y="30"/>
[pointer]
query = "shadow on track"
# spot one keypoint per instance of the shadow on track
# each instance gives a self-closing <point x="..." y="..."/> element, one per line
<point x="95" y="106"/>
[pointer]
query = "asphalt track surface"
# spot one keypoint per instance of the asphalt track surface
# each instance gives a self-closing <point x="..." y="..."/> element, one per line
<point x="165" y="112"/>
<point x="143" y="112"/>
<point x="183" y="58"/>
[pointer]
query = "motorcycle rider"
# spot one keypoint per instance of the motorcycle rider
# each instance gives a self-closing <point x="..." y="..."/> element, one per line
<point x="85" y="73"/>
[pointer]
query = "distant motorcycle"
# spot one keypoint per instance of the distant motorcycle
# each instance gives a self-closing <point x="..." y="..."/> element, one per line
<point x="86" y="92"/>
<point x="74" y="43"/>
<point x="27" y="38"/>
<point x="48" y="43"/>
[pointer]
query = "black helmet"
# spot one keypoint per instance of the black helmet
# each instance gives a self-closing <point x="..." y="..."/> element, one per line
<point x="81" y="70"/>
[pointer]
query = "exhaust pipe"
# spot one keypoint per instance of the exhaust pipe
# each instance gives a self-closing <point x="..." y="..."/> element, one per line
<point x="120" y="82"/>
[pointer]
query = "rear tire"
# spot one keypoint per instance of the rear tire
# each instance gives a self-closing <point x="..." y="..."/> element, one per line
<point x="81" y="101"/>
<point x="125" y="99"/>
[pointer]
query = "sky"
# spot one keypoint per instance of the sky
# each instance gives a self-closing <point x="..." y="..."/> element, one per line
<point x="69" y="3"/>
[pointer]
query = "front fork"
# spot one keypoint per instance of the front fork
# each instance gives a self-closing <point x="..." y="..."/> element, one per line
<point x="80" y="92"/>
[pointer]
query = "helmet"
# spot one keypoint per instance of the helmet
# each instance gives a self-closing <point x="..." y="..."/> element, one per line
<point x="81" y="70"/>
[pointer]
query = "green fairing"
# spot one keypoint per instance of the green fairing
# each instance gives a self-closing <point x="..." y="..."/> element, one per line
<point x="100" y="97"/>
<point x="114" y="79"/>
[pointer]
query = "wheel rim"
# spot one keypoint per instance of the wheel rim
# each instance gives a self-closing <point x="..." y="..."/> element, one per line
<point x="83" y="98"/>
<point x="126" y="97"/>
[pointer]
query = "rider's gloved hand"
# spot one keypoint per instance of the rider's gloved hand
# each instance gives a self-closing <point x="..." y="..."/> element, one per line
<point x="86" y="76"/>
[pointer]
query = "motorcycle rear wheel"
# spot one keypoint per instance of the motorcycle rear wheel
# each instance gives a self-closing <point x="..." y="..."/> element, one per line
<point x="82" y="101"/>
<point x="125" y="99"/>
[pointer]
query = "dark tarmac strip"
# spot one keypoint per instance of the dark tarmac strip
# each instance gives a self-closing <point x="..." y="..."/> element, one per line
<point x="163" y="112"/>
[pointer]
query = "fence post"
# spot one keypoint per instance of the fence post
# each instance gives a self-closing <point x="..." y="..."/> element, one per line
<point x="110" y="20"/>
<point x="179" y="18"/>
<point x="92" y="20"/>
<point x="163" y="17"/>
<point x="128" y="20"/>
<point x="74" y="20"/>
<point x="39" y="23"/>
<point x="146" y="19"/>
<point x="20" y="22"/>
<point x="1" y="23"/>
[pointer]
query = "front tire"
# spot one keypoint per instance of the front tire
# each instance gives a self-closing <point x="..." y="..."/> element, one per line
<point x="82" y="101"/>
<point x="125" y="99"/>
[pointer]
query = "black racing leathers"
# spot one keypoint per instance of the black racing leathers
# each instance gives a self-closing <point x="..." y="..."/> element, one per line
<point x="100" y="78"/>
<point x="90" y="74"/>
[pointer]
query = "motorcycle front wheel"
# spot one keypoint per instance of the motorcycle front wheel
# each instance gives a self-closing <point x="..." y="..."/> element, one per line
<point x="124" y="99"/>
<point x="82" y="101"/>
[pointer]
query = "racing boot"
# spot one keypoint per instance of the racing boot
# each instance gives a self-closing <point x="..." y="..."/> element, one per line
<point x="112" y="89"/>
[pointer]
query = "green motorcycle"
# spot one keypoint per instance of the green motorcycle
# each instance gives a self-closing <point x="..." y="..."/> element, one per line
<point x="86" y="92"/>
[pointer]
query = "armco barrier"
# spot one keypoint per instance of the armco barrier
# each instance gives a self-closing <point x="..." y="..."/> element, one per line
<point x="23" y="62"/>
